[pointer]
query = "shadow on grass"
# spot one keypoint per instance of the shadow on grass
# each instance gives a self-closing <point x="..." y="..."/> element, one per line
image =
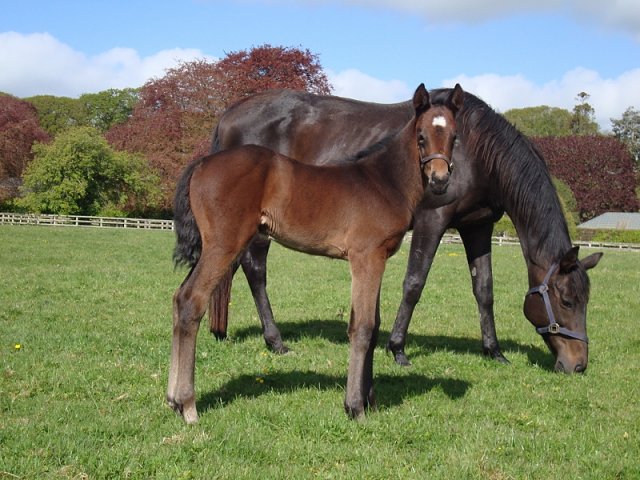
<point x="335" y="331"/>
<point x="391" y="390"/>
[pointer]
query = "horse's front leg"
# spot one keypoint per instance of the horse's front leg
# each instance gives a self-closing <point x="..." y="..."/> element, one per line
<point x="477" y="244"/>
<point x="427" y="231"/>
<point x="254" y="266"/>
<point x="366" y="277"/>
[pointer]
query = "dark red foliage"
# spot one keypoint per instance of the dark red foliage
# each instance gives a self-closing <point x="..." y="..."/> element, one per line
<point x="176" y="114"/>
<point x="19" y="130"/>
<point x="266" y="67"/>
<point x="598" y="169"/>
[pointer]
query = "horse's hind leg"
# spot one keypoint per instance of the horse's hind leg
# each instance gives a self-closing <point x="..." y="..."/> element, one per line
<point x="189" y="305"/>
<point x="254" y="265"/>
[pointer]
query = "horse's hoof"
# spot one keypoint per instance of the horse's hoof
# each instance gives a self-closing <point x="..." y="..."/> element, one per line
<point x="280" y="349"/>
<point x="398" y="355"/>
<point x="401" y="358"/>
<point x="496" y="355"/>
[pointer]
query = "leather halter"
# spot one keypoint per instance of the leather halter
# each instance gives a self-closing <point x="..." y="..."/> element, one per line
<point x="554" y="327"/>
<point x="433" y="156"/>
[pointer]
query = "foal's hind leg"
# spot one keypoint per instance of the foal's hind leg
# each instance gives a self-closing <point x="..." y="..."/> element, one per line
<point x="189" y="305"/>
<point x="254" y="265"/>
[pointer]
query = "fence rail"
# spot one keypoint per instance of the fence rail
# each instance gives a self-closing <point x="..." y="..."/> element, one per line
<point x="152" y="224"/>
<point x="85" y="221"/>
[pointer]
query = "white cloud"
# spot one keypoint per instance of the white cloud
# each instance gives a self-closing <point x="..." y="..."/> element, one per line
<point x="615" y="14"/>
<point x="609" y="97"/>
<point x="38" y="64"/>
<point x="355" y="84"/>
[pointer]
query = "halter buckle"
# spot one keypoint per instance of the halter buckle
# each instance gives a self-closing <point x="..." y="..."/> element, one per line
<point x="554" y="328"/>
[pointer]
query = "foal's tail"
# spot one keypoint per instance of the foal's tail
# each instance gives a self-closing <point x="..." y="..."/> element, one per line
<point x="188" y="240"/>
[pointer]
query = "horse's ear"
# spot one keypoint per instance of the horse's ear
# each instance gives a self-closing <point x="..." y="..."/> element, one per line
<point x="421" y="100"/>
<point x="591" y="261"/>
<point x="456" y="99"/>
<point x="570" y="260"/>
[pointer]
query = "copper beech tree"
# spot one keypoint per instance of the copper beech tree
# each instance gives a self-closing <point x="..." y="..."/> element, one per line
<point x="175" y="116"/>
<point x="19" y="130"/>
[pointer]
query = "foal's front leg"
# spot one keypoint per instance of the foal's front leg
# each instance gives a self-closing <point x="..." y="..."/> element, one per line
<point x="366" y="277"/>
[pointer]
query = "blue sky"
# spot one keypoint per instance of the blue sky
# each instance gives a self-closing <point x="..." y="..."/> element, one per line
<point x="511" y="53"/>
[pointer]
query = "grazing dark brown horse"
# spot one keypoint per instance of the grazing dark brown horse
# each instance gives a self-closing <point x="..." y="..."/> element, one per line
<point x="358" y="212"/>
<point x="497" y="170"/>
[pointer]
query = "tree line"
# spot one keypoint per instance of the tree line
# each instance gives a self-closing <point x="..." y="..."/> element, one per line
<point x="119" y="152"/>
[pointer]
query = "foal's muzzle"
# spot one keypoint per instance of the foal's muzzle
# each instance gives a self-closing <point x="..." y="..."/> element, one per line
<point x="438" y="183"/>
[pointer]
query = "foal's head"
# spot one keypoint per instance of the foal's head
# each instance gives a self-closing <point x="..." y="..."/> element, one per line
<point x="436" y="133"/>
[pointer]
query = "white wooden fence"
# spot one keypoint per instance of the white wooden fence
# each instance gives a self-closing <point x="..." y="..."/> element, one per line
<point x="84" y="221"/>
<point x="152" y="224"/>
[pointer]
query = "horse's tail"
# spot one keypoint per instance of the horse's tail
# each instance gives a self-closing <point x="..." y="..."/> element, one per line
<point x="219" y="301"/>
<point x="188" y="240"/>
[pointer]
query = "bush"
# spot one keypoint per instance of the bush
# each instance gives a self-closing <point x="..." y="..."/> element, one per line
<point x="79" y="174"/>
<point x="615" y="236"/>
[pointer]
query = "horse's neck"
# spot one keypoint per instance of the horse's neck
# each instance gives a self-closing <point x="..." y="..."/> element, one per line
<point x="543" y="233"/>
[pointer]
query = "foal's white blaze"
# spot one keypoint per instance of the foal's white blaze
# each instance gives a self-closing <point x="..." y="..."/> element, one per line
<point x="439" y="121"/>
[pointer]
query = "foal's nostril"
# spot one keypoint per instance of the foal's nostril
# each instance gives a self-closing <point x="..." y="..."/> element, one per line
<point x="580" y="368"/>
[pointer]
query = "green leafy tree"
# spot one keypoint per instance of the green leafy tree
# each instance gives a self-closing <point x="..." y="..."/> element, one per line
<point x="80" y="174"/>
<point x="110" y="107"/>
<point x="58" y="114"/>
<point x="583" y="121"/>
<point x="627" y="130"/>
<point x="542" y="121"/>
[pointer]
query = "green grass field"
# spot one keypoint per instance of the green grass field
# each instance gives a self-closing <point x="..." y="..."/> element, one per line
<point x="85" y="324"/>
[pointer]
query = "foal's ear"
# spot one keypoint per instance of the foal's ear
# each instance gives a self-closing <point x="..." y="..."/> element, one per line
<point x="456" y="99"/>
<point x="421" y="100"/>
<point x="591" y="261"/>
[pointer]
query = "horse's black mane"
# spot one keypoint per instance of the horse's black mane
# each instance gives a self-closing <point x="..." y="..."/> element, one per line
<point x="521" y="183"/>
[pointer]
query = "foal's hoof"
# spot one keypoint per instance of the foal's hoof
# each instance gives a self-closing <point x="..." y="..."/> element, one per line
<point x="187" y="410"/>
<point x="354" y="412"/>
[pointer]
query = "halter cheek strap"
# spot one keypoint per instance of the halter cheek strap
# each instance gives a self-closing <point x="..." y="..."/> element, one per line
<point x="554" y="327"/>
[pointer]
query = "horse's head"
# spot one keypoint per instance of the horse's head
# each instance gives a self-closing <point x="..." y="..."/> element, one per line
<point x="435" y="134"/>
<point x="557" y="307"/>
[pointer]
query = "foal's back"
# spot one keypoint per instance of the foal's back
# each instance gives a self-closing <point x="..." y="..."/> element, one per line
<point x="324" y="210"/>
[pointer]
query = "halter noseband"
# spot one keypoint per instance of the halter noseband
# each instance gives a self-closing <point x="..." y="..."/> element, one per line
<point x="433" y="156"/>
<point x="554" y="327"/>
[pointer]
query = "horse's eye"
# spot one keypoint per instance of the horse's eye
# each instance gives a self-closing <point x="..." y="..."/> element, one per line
<point x="567" y="303"/>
